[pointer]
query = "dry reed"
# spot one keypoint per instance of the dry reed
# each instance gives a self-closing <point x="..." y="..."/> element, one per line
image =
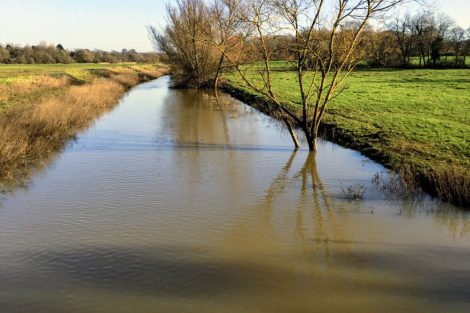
<point x="31" y="134"/>
<point x="26" y="86"/>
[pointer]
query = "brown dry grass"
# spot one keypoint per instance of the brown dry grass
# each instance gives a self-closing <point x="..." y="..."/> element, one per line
<point x="449" y="183"/>
<point x="22" y="90"/>
<point x="31" y="134"/>
<point x="23" y="86"/>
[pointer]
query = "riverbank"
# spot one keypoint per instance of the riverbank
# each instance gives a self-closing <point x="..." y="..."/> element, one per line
<point x="44" y="106"/>
<point x="415" y="122"/>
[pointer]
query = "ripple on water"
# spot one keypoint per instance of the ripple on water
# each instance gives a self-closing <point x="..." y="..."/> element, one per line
<point x="175" y="202"/>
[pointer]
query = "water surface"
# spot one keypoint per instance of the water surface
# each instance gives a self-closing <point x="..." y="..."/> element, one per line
<point x="179" y="202"/>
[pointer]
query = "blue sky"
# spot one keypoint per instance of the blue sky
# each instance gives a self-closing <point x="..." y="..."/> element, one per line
<point x="104" y="24"/>
<point x="111" y="24"/>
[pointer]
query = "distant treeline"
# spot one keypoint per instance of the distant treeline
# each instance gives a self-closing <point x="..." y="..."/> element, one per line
<point x="50" y="54"/>
<point x="427" y="39"/>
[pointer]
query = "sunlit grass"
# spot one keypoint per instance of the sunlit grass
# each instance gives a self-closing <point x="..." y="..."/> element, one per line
<point x="416" y="117"/>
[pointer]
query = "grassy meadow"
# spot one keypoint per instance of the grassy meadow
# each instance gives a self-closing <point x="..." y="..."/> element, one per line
<point x="414" y="119"/>
<point x="43" y="106"/>
<point x="450" y="59"/>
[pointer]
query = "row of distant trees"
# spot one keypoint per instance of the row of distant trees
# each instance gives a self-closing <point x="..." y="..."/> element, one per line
<point x="50" y="54"/>
<point x="427" y="39"/>
<point x="433" y="38"/>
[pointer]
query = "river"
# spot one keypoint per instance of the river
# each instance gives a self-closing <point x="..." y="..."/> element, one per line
<point x="181" y="201"/>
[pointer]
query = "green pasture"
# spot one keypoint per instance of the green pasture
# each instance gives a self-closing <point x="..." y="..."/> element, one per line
<point x="421" y="117"/>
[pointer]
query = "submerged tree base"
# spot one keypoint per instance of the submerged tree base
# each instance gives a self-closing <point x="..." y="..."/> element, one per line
<point x="448" y="184"/>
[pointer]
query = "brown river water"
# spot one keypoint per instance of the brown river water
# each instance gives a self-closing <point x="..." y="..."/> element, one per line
<point x="177" y="202"/>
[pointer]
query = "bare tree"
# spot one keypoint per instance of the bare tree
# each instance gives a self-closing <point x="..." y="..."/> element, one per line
<point x="402" y="28"/>
<point x="331" y="46"/>
<point x="223" y="31"/>
<point x="457" y="36"/>
<point x="184" y="43"/>
<point x="197" y="38"/>
<point x="429" y="32"/>
<point x="439" y="29"/>
<point x="420" y="31"/>
<point x="466" y="47"/>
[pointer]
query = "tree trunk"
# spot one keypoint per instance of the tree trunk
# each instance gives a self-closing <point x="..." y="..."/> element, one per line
<point x="313" y="135"/>
<point x="312" y="144"/>
<point x="311" y="138"/>
<point x="292" y="133"/>
<point x="216" y="81"/>
<point x="219" y="69"/>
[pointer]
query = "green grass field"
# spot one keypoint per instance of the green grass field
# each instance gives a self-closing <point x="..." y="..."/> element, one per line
<point x="415" y="117"/>
<point x="449" y="59"/>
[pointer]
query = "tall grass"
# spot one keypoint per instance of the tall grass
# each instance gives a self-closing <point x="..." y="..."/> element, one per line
<point x="33" y="133"/>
